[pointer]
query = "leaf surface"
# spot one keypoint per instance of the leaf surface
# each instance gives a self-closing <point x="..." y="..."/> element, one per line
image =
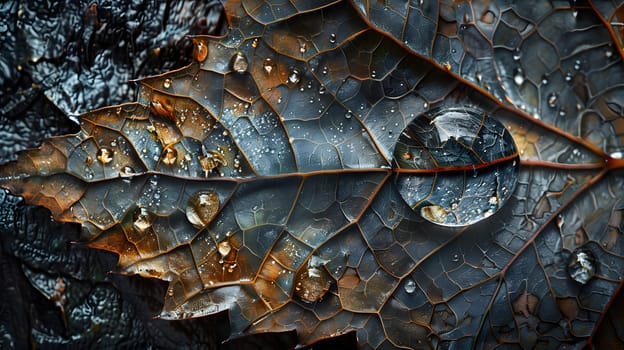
<point x="264" y="178"/>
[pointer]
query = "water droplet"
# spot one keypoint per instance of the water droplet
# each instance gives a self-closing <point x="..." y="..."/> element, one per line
<point x="170" y="155"/>
<point x="294" y="77"/>
<point x="348" y="115"/>
<point x="608" y="53"/>
<point x="410" y="286"/>
<point x="322" y="90"/>
<point x="518" y="76"/>
<point x="104" y="155"/>
<point x="141" y="220"/>
<point x="577" y="65"/>
<point x="126" y="171"/>
<point x="581" y="265"/>
<point x="302" y="47"/>
<point x="311" y="283"/>
<point x="517" y="54"/>
<point x="224" y="248"/>
<point x="268" y="65"/>
<point x="617" y="155"/>
<point x="202" y="207"/>
<point x="466" y="187"/>
<point x="332" y="38"/>
<point x="201" y="51"/>
<point x="239" y="63"/>
<point x="552" y="100"/>
<point x="544" y="79"/>
<point x="568" y="76"/>
<point x="167" y="83"/>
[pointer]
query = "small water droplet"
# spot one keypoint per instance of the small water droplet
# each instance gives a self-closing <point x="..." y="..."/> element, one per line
<point x="167" y="83"/>
<point x="410" y="286"/>
<point x="127" y="171"/>
<point x="142" y="220"/>
<point x="332" y="38"/>
<point x="552" y="100"/>
<point x="104" y="155"/>
<point x="239" y="63"/>
<point x="518" y="76"/>
<point x="581" y="265"/>
<point x="544" y="79"/>
<point x="517" y="54"/>
<point x="201" y="51"/>
<point x="348" y="115"/>
<point x="224" y="248"/>
<point x="202" y="207"/>
<point x="170" y="155"/>
<point x="322" y="90"/>
<point x="268" y="65"/>
<point x="294" y="77"/>
<point x="568" y="76"/>
<point x="455" y="258"/>
<point x="608" y="53"/>
<point x="577" y="65"/>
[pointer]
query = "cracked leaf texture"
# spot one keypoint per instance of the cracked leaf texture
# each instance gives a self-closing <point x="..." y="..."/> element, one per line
<point x="260" y="179"/>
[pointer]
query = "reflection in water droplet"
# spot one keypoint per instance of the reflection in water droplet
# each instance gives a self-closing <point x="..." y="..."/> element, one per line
<point x="239" y="63"/>
<point x="518" y="76"/>
<point x="581" y="265"/>
<point x="517" y="54"/>
<point x="104" y="155"/>
<point x="552" y="100"/>
<point x="167" y="83"/>
<point x="170" y="156"/>
<point x="268" y="65"/>
<point x="201" y="51"/>
<point x="332" y="38"/>
<point x="568" y="76"/>
<point x="224" y="248"/>
<point x="141" y="220"/>
<point x="577" y="65"/>
<point x="464" y="166"/>
<point x="294" y="77"/>
<point x="202" y="207"/>
<point x="410" y="286"/>
<point x="311" y="283"/>
<point x="127" y="171"/>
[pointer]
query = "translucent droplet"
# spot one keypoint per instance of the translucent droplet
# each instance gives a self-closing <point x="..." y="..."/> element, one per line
<point x="239" y="63"/>
<point x="201" y="51"/>
<point x="294" y="77"/>
<point x="332" y="38"/>
<point x="170" y="156"/>
<point x="167" y="83"/>
<point x="104" y="155"/>
<point x="410" y="286"/>
<point x="517" y="54"/>
<point x="202" y="208"/>
<point x="577" y="65"/>
<point x="552" y="100"/>
<point x="544" y="79"/>
<point x="141" y="220"/>
<point x="569" y="76"/>
<point x="322" y="90"/>
<point x="465" y="166"/>
<point x="608" y="53"/>
<point x="224" y="248"/>
<point x="518" y="76"/>
<point x="268" y="65"/>
<point x="348" y="115"/>
<point x="126" y="171"/>
<point x="581" y="265"/>
<point x="311" y="283"/>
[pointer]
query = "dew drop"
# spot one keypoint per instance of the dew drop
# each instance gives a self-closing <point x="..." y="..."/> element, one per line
<point x="224" y="248"/>
<point x="518" y="76"/>
<point x="202" y="208"/>
<point x="170" y="155"/>
<point x="126" y="171"/>
<point x="332" y="38"/>
<point x="577" y="65"/>
<point x="104" y="155"/>
<point x="517" y="54"/>
<point x="348" y="115"/>
<point x="544" y="79"/>
<point x="568" y="76"/>
<point x="239" y="62"/>
<point x="552" y="100"/>
<point x="474" y="165"/>
<point x="268" y="65"/>
<point x="311" y="283"/>
<point x="322" y="90"/>
<point x="410" y="286"/>
<point x="141" y="220"/>
<point x="294" y="77"/>
<point x="167" y="83"/>
<point x="581" y="265"/>
<point x="608" y="53"/>
<point x="201" y="50"/>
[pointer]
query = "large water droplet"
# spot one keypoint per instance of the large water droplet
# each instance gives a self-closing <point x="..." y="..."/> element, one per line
<point x="311" y="283"/>
<point x="581" y="265"/>
<point x="202" y="207"/>
<point x="410" y="286"/>
<point x="455" y="166"/>
<point x="239" y="63"/>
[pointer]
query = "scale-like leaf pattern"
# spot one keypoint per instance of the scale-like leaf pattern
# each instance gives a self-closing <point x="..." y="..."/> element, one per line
<point x="268" y="178"/>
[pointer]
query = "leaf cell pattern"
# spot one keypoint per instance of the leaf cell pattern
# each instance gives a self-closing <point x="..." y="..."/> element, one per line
<point x="266" y="178"/>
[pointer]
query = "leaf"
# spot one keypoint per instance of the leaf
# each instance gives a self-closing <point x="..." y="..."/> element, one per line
<point x="274" y="177"/>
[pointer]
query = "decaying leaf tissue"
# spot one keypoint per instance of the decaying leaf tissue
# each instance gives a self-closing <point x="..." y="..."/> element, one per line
<point x="420" y="173"/>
